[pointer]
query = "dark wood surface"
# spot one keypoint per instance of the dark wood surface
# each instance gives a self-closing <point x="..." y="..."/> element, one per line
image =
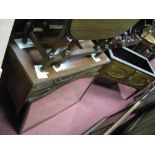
<point x="20" y="76"/>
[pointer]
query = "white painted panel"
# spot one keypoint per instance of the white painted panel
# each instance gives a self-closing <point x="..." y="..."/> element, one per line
<point x="5" y="31"/>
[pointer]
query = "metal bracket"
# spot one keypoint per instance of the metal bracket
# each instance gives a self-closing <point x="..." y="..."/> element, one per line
<point x="40" y="74"/>
<point x="21" y="45"/>
<point x="59" y="68"/>
<point x="97" y="59"/>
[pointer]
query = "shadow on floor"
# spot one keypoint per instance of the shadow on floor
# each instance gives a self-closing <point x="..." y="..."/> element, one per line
<point x="7" y="112"/>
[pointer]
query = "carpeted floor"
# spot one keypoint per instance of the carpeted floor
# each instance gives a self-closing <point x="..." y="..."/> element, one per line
<point x="97" y="102"/>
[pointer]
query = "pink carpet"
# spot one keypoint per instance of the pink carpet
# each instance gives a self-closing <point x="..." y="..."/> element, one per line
<point x="98" y="102"/>
<point x="56" y="102"/>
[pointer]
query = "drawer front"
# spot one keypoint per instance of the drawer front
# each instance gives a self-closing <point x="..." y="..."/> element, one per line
<point x="117" y="71"/>
<point x="140" y="80"/>
<point x="127" y="75"/>
<point x="44" y="89"/>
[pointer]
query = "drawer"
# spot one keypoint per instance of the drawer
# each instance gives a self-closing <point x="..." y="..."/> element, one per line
<point x="118" y="71"/>
<point x="139" y="79"/>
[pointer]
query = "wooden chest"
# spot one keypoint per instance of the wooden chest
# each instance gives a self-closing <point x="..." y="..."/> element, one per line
<point x="19" y="74"/>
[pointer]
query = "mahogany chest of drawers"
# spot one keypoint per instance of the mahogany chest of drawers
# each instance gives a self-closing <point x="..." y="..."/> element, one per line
<point x="19" y="74"/>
